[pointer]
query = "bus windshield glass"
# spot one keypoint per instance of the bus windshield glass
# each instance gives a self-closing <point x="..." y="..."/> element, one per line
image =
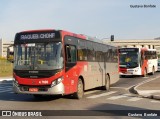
<point x="128" y="59"/>
<point x="38" y="56"/>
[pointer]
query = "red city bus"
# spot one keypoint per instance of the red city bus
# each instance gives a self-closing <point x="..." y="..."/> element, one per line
<point x="50" y="62"/>
<point x="137" y="61"/>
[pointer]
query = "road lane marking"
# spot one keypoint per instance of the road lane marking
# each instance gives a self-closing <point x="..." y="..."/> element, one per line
<point x="130" y="87"/>
<point x="6" y="87"/>
<point x="134" y="99"/>
<point x="6" y="82"/>
<point x="118" y="88"/>
<point x="117" y="97"/>
<point x="146" y="81"/>
<point x="90" y="92"/>
<point x="128" y="94"/>
<point x="5" y="91"/>
<point x="155" y="101"/>
<point x="11" y="92"/>
<point x="147" y="92"/>
<point x="145" y="77"/>
<point x="103" y="94"/>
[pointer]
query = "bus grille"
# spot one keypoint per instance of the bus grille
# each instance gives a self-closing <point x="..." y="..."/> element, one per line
<point x="26" y="88"/>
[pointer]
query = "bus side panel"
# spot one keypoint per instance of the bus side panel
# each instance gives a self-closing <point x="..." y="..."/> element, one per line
<point x="71" y="77"/>
<point x="93" y="75"/>
<point x="152" y="63"/>
<point x="113" y="71"/>
<point x="149" y="60"/>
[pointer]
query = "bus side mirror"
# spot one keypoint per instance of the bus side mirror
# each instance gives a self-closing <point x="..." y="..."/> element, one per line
<point x="10" y="57"/>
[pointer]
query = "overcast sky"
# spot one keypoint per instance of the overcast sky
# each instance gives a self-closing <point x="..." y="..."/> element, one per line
<point x="100" y="18"/>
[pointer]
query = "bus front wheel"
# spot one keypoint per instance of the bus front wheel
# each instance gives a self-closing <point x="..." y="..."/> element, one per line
<point x="80" y="91"/>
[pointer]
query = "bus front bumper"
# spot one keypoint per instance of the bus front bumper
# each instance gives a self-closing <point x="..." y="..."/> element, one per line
<point x="55" y="90"/>
<point x="130" y="73"/>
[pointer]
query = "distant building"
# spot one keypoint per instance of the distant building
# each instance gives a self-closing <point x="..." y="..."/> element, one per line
<point x="148" y="43"/>
<point x="3" y="47"/>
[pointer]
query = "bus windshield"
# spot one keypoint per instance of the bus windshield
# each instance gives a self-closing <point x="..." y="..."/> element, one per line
<point x="38" y="56"/>
<point x="128" y="59"/>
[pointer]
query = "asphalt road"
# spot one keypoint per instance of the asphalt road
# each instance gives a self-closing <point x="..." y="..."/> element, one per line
<point x="118" y="98"/>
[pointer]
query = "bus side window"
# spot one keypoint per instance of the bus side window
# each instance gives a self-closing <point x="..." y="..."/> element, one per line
<point x="70" y="53"/>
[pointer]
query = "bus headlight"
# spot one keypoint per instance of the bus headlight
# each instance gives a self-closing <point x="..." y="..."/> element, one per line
<point x="136" y="70"/>
<point x="57" y="81"/>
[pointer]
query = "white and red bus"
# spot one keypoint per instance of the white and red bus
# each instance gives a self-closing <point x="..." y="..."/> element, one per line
<point x="137" y="61"/>
<point x="50" y="62"/>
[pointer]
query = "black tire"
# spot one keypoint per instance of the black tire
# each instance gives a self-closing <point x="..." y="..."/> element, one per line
<point x="153" y="71"/>
<point x="107" y="83"/>
<point x="80" y="90"/>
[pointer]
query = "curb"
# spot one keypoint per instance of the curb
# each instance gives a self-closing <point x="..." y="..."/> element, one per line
<point x="147" y="93"/>
<point x="157" y="97"/>
<point x="4" y="79"/>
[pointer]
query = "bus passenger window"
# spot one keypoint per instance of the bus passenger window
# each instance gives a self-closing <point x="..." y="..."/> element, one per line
<point x="70" y="53"/>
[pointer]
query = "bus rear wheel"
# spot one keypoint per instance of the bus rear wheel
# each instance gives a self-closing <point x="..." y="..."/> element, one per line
<point x="80" y="91"/>
<point x="107" y="83"/>
<point x="153" y="71"/>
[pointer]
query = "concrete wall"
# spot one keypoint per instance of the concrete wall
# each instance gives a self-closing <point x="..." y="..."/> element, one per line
<point x="148" y="43"/>
<point x="152" y="44"/>
<point x="3" y="48"/>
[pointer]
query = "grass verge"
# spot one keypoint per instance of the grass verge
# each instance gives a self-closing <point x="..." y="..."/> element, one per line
<point x="6" y="68"/>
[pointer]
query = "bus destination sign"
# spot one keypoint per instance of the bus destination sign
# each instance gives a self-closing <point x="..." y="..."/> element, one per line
<point x="37" y="36"/>
<point x="128" y="50"/>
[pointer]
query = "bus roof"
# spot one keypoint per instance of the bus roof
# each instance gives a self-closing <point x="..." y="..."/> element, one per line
<point x="82" y="36"/>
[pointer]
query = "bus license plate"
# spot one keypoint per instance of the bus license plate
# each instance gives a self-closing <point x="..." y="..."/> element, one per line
<point x="33" y="89"/>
